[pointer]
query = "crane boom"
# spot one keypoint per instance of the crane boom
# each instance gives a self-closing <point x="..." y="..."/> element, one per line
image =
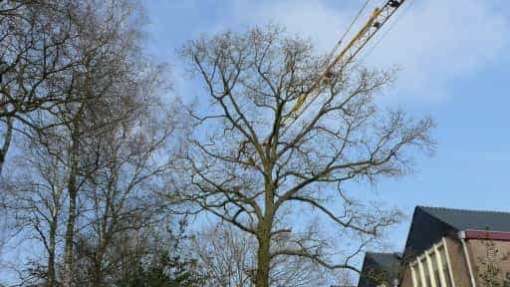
<point x="378" y="18"/>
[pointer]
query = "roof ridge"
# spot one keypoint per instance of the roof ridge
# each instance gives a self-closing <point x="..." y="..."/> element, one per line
<point x="462" y="209"/>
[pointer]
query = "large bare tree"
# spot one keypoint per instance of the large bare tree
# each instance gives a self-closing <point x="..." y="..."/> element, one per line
<point x="257" y="164"/>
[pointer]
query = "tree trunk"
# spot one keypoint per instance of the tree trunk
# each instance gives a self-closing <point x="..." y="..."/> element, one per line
<point x="97" y="276"/>
<point x="72" y="189"/>
<point x="263" y="261"/>
<point x="97" y="272"/>
<point x="6" y="144"/>
<point x="69" y="242"/>
<point x="264" y="233"/>
<point x="51" y="254"/>
<point x="1" y="162"/>
<point x="263" y="252"/>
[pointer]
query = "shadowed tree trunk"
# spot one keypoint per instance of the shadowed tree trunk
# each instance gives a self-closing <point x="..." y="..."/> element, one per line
<point x="72" y="191"/>
<point x="52" y="257"/>
<point x="7" y="138"/>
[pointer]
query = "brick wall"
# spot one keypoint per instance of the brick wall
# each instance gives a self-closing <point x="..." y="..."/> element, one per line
<point x="490" y="261"/>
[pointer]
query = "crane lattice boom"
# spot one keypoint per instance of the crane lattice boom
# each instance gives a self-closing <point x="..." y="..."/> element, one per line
<point x="378" y="18"/>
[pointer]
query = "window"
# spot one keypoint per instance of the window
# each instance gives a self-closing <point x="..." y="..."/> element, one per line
<point x="432" y="268"/>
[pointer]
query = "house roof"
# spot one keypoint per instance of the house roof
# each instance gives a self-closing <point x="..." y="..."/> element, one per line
<point x="461" y="219"/>
<point x="378" y="268"/>
<point x="430" y="224"/>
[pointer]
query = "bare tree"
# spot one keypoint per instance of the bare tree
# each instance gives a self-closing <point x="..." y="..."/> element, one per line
<point x="36" y="57"/>
<point x="227" y="257"/>
<point x="37" y="202"/>
<point x="122" y="194"/>
<point x="109" y="84"/>
<point x="102" y="133"/>
<point x="255" y="164"/>
<point x="117" y="197"/>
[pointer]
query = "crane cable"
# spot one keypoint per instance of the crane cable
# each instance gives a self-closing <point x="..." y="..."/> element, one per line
<point x="349" y="28"/>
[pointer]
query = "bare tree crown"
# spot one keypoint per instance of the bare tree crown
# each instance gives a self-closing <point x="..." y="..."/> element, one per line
<point x="251" y="158"/>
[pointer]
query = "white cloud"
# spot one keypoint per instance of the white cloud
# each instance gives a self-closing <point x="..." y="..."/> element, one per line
<point x="312" y="19"/>
<point x="434" y="42"/>
<point x="437" y="42"/>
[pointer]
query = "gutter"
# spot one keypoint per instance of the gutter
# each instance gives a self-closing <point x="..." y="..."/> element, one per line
<point x="487" y="235"/>
<point x="462" y="237"/>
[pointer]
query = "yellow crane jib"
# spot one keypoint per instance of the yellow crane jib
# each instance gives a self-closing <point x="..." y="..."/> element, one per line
<point x="377" y="19"/>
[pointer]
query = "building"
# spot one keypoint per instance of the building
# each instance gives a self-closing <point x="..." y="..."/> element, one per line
<point x="380" y="268"/>
<point x="446" y="248"/>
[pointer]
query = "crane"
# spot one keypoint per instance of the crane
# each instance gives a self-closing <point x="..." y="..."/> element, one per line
<point x="377" y="19"/>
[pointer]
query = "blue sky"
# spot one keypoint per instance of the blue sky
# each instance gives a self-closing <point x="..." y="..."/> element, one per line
<point x="453" y="61"/>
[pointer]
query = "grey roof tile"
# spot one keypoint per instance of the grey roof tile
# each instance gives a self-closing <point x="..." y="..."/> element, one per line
<point x="461" y="219"/>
